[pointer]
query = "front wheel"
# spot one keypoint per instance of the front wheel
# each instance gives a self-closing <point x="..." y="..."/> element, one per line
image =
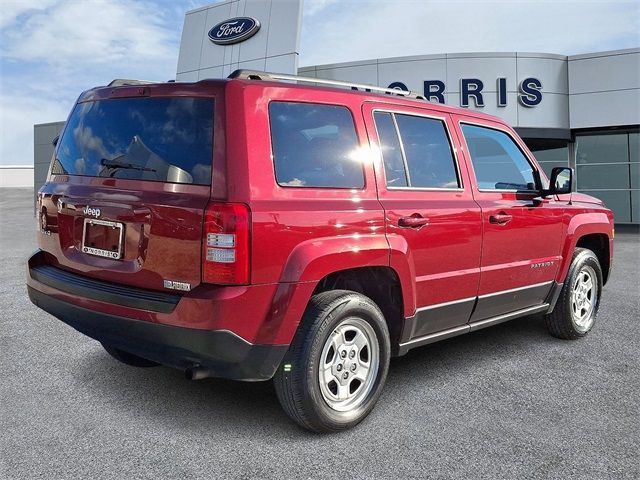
<point x="337" y="365"/>
<point x="577" y="307"/>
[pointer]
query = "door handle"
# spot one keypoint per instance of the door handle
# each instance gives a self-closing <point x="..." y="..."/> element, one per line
<point x="414" y="221"/>
<point x="500" y="218"/>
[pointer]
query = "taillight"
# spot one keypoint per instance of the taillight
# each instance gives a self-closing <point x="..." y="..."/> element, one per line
<point x="225" y="244"/>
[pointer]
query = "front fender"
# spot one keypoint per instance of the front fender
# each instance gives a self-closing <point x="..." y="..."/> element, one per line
<point x="580" y="225"/>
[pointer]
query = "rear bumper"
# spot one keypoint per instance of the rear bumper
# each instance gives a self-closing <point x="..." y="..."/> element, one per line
<point x="220" y="352"/>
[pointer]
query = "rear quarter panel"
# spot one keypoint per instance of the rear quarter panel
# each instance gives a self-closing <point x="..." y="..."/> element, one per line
<point x="299" y="234"/>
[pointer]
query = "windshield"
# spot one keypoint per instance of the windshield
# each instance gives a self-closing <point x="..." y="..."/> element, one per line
<point x="157" y="139"/>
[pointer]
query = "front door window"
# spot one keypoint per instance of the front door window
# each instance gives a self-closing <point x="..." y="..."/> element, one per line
<point x="497" y="161"/>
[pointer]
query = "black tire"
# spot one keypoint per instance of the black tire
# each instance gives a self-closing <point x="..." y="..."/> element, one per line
<point x="297" y="380"/>
<point x="562" y="322"/>
<point x="129" y="358"/>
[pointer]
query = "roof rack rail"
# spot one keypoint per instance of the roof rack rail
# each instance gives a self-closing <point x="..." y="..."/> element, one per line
<point x="258" y="75"/>
<point x="125" y="81"/>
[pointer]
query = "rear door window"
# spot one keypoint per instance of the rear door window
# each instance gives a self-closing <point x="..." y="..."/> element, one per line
<point x="394" y="166"/>
<point x="151" y="138"/>
<point x="416" y="152"/>
<point x="314" y="145"/>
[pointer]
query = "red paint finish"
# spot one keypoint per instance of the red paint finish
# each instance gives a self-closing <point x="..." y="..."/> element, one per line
<point x="445" y="249"/>
<point x="444" y="245"/>
<point x="162" y="228"/>
<point x="286" y="220"/>
<point x="241" y="310"/>
<point x="520" y="230"/>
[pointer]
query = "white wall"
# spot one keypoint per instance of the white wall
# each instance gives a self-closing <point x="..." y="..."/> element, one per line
<point x="16" y="176"/>
<point x="275" y="47"/>
<point x="550" y="69"/>
<point x="580" y="91"/>
<point x="605" y="89"/>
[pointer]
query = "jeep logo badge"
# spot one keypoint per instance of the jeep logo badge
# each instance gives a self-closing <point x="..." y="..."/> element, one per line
<point x="92" y="212"/>
<point x="234" y="30"/>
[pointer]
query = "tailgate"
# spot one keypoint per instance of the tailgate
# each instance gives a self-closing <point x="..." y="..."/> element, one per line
<point x="144" y="238"/>
<point x="129" y="182"/>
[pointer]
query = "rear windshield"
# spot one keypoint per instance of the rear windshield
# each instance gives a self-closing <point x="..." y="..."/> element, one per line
<point x="157" y="139"/>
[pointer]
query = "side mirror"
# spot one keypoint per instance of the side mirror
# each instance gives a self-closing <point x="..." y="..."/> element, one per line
<point x="561" y="181"/>
<point x="54" y="142"/>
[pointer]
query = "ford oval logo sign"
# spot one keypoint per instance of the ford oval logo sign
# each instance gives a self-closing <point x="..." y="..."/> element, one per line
<point x="234" y="30"/>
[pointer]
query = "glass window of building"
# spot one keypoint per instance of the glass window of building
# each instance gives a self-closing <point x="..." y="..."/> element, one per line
<point x="607" y="167"/>
<point x="634" y="159"/>
<point x="634" y="172"/>
<point x="609" y="148"/>
<point x="549" y="154"/>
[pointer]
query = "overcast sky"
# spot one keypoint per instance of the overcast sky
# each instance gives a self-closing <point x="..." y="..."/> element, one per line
<point x="51" y="50"/>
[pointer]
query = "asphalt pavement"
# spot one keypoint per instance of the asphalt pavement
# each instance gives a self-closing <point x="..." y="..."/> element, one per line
<point x="505" y="402"/>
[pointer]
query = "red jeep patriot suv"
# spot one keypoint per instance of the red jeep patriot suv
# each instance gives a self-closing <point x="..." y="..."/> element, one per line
<point x="254" y="228"/>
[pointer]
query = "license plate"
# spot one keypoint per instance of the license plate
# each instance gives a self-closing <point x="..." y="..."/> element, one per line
<point x="102" y="238"/>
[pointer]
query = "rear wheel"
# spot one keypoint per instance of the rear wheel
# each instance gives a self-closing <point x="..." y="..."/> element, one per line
<point x="337" y="364"/>
<point x="575" y="312"/>
<point x="128" y="358"/>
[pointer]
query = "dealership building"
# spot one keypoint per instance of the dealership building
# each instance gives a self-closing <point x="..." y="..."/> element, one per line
<point x="580" y="110"/>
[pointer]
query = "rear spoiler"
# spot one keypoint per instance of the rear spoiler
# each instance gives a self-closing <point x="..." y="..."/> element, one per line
<point x="124" y="81"/>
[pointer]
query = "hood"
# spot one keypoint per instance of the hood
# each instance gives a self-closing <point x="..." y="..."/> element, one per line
<point x="582" y="198"/>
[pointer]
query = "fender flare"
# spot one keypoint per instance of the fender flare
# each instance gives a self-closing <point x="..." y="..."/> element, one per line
<point x="579" y="226"/>
<point x="312" y="260"/>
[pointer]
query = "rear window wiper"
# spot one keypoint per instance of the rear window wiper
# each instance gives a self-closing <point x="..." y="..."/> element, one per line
<point x="129" y="166"/>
